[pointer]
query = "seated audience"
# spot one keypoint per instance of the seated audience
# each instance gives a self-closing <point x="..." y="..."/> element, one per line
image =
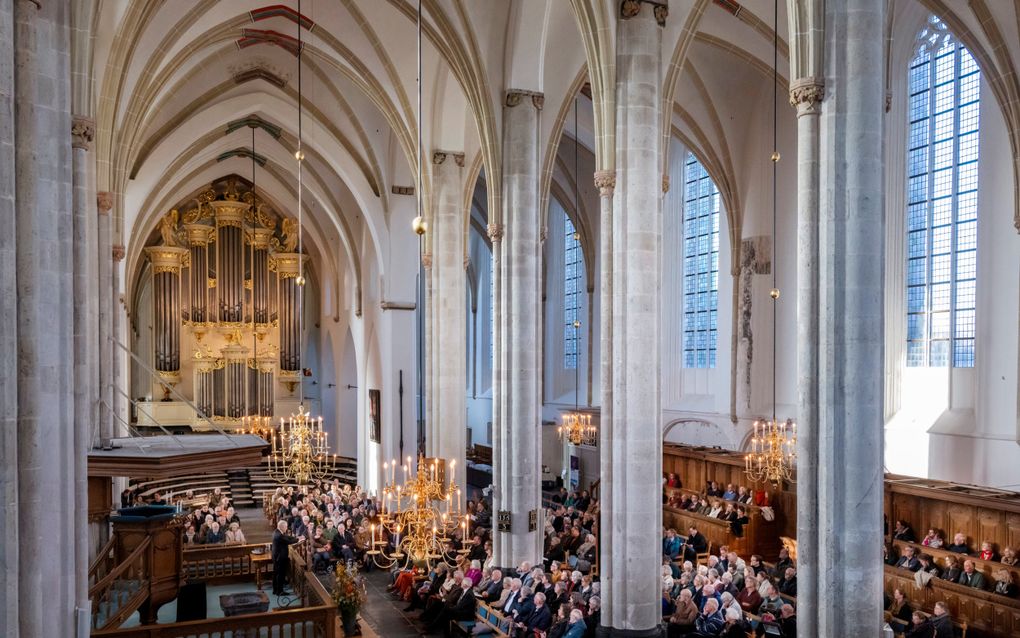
<point x="928" y="565"/>
<point x="234" y="534"/>
<point x="711" y="621"/>
<point x="577" y="627"/>
<point x="908" y="560"/>
<point x="952" y="571"/>
<point x="748" y="597"/>
<point x="941" y="621"/>
<point x="971" y="577"/>
<point x="729" y="494"/>
<point x="1004" y="585"/>
<point x="987" y="551"/>
<point x="1009" y="557"/>
<point x="902" y="532"/>
<point x="899" y="606"/>
<point x="921" y="627"/>
<point x="959" y="544"/>
<point x="932" y="539"/>
<point x="671" y="544"/>
<point x="788" y="583"/>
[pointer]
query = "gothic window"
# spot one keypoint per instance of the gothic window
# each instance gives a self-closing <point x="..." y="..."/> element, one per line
<point x="942" y="179"/>
<point x="573" y="269"/>
<point x="701" y="266"/>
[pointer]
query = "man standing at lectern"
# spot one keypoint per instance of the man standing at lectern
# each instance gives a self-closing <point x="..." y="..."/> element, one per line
<point x="281" y="561"/>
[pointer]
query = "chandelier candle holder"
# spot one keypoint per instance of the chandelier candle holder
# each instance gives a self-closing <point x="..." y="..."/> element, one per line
<point x="773" y="451"/>
<point x="417" y="517"/>
<point x="577" y="429"/>
<point x="260" y="426"/>
<point x="300" y="451"/>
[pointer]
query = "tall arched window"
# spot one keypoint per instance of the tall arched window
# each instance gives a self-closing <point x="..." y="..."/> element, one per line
<point x="701" y="265"/>
<point x="942" y="181"/>
<point x="573" y="270"/>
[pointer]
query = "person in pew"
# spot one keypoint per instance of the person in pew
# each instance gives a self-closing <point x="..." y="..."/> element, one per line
<point x="561" y="622"/>
<point x="1004" y="585"/>
<point x="783" y="563"/>
<point x="748" y="597"/>
<point x="971" y="577"/>
<point x="743" y="496"/>
<point x="908" y="560"/>
<point x="577" y="625"/>
<point x="704" y="507"/>
<point x="959" y="544"/>
<point x="952" y="571"/>
<point x="711" y="620"/>
<point x="461" y="609"/>
<point x="899" y="606"/>
<point x="451" y="592"/>
<point x="932" y="539"/>
<point x="216" y="535"/>
<point x="903" y="532"/>
<point x="988" y="551"/>
<point x="695" y="544"/>
<point x="941" y="622"/>
<point x="772" y="603"/>
<point x="671" y="544"/>
<point x="738" y="523"/>
<point x="1008" y="557"/>
<point x="234" y="534"/>
<point x="920" y="626"/>
<point x="735" y="626"/>
<point x="524" y="606"/>
<point x="788" y="583"/>
<point x="713" y="489"/>
<point x="928" y="565"/>
<point x="730" y="494"/>
<point x="756" y="564"/>
<point x="681" y="622"/>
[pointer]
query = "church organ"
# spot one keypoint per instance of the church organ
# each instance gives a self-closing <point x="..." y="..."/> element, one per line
<point x="226" y="310"/>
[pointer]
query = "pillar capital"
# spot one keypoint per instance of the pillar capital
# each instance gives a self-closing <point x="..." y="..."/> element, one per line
<point x="516" y="96"/>
<point x="495" y="232"/>
<point x="104" y="201"/>
<point x="438" y="157"/>
<point x="806" y="94"/>
<point x="83" y="131"/>
<point x="665" y="184"/>
<point x="117" y="252"/>
<point x="630" y="8"/>
<point x="605" y="181"/>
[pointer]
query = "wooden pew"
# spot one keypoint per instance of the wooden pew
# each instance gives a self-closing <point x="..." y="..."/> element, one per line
<point x="716" y="532"/>
<point x="986" y="614"/>
<point x="760" y="535"/>
<point x="986" y="567"/>
<point x="497" y="623"/>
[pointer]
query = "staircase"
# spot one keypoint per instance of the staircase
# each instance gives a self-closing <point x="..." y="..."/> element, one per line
<point x="240" y="488"/>
<point x="122" y="591"/>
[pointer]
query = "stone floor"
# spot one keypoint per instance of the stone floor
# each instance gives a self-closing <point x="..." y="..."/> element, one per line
<point x="383" y="614"/>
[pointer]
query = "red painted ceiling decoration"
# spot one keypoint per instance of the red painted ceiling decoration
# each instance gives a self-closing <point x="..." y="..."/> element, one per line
<point x="281" y="11"/>
<point x="251" y="37"/>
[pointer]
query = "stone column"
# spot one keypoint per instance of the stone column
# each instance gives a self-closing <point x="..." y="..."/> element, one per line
<point x="8" y="333"/>
<point x="120" y="416"/>
<point x="85" y="342"/>
<point x="518" y="443"/>
<point x="104" y="242"/>
<point x="806" y="95"/>
<point x="43" y="229"/>
<point x="496" y="232"/>
<point x="448" y="438"/>
<point x="850" y="338"/>
<point x="632" y="442"/>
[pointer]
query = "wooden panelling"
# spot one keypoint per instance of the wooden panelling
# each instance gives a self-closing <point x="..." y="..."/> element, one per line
<point x="985" y="613"/>
<point x="986" y="567"/>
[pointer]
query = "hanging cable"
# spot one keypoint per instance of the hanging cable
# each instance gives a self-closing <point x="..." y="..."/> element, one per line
<point x="419" y="228"/>
<point x="300" y="156"/>
<point x="251" y="273"/>
<point x="577" y="324"/>
<point x="775" y="166"/>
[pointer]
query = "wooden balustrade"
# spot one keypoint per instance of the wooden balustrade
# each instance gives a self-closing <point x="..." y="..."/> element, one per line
<point x="986" y="613"/>
<point x="317" y="622"/>
<point x="118" y="594"/>
<point x="102" y="564"/>
<point x="219" y="562"/>
<point x="986" y="567"/>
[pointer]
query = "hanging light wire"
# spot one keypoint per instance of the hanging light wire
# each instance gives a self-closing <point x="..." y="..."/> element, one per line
<point x="775" y="168"/>
<point x="254" y="337"/>
<point x="576" y="323"/>
<point x="300" y="157"/>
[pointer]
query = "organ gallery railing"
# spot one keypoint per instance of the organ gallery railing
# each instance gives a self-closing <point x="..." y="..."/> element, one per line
<point x="226" y="306"/>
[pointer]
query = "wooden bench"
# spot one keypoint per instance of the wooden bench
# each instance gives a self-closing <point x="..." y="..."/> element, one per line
<point x="498" y="624"/>
<point x="986" y="567"/>
<point x="899" y="627"/>
<point x="984" y="613"/>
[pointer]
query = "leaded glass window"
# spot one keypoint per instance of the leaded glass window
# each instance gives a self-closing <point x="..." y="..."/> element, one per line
<point x="573" y="269"/>
<point x="701" y="266"/>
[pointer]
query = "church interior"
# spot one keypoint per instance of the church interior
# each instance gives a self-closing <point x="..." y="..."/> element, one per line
<point x="510" y="318"/>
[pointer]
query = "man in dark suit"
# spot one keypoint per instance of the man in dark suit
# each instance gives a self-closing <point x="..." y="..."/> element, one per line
<point x="540" y="617"/>
<point x="971" y="577"/>
<point x="908" y="560"/>
<point x="524" y="606"/>
<point x="513" y="598"/>
<point x="696" y="544"/>
<point x="420" y="595"/>
<point x="494" y="588"/>
<point x="436" y="605"/>
<point x="460" y="608"/>
<point x="941" y="621"/>
<point x="281" y="559"/>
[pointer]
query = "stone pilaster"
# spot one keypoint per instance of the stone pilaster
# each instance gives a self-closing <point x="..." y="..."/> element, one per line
<point x="518" y="445"/>
<point x="448" y="427"/>
<point x="632" y="443"/>
<point x="850" y="339"/>
<point x="806" y="95"/>
<point x="117" y="315"/>
<point x="43" y="231"/>
<point x="86" y="357"/>
<point x="104" y="244"/>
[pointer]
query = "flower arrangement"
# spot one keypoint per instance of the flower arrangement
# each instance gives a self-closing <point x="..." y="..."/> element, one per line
<point x="349" y="592"/>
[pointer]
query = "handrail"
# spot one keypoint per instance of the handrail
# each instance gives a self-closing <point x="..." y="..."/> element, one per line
<point x="119" y="569"/>
<point x="102" y="556"/>
<point x="323" y="617"/>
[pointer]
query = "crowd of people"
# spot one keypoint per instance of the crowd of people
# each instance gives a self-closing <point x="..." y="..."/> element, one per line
<point x="557" y="599"/>
<point x="729" y="504"/>
<point x="958" y="567"/>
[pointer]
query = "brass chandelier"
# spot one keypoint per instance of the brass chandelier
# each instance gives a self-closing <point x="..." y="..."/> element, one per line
<point x="300" y="451"/>
<point x="774" y="442"/>
<point x="578" y="429"/>
<point x="419" y="516"/>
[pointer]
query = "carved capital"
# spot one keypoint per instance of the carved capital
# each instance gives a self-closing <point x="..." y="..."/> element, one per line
<point x="516" y="96"/>
<point x="118" y="252"/>
<point x="806" y="94"/>
<point x="543" y="233"/>
<point x="495" y="232"/>
<point x="426" y="260"/>
<point x="402" y="190"/>
<point x="438" y="157"/>
<point x="83" y="130"/>
<point x="665" y="184"/>
<point x="104" y="200"/>
<point x="630" y="8"/>
<point x="605" y="181"/>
